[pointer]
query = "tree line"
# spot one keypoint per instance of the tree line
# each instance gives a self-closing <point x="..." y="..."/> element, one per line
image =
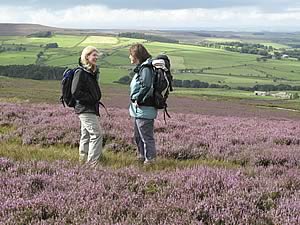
<point x="15" y="48"/>
<point x="294" y="53"/>
<point x="247" y="48"/>
<point x="35" y="72"/>
<point x="41" y="34"/>
<point x="179" y="83"/>
<point x="200" y="84"/>
<point x="270" y="87"/>
<point x="148" y="37"/>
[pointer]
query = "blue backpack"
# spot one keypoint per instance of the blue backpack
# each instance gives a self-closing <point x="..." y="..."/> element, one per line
<point x="66" y="86"/>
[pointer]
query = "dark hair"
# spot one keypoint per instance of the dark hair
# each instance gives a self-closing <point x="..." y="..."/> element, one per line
<point x="139" y="52"/>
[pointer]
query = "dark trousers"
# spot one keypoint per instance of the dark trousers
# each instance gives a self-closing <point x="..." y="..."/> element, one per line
<point x="144" y="138"/>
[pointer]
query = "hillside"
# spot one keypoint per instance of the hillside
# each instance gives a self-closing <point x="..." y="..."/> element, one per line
<point x="23" y="29"/>
<point x="189" y="62"/>
<point x="184" y="36"/>
<point x="8" y="29"/>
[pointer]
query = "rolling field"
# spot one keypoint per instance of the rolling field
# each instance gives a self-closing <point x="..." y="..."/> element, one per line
<point x="217" y="66"/>
<point x="253" y="40"/>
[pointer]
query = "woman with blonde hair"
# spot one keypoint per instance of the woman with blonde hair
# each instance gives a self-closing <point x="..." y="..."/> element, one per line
<point x="86" y="91"/>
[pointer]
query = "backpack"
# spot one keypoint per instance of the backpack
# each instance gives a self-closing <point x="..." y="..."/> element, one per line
<point x="162" y="82"/>
<point x="66" y="85"/>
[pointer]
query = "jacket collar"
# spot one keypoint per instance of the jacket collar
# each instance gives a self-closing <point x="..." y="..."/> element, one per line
<point x="139" y="66"/>
<point x="88" y="71"/>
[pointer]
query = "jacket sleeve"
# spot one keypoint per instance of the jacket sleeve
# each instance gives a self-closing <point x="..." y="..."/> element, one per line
<point x="146" y="83"/>
<point x="78" y="90"/>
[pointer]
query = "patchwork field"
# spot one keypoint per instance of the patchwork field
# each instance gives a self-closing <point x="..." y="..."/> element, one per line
<point x="217" y="66"/>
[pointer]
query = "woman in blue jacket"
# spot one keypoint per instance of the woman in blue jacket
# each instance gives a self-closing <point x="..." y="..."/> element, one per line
<point x="142" y="103"/>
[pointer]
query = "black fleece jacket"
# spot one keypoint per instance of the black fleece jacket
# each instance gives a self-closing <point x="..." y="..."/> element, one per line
<point x="86" y="91"/>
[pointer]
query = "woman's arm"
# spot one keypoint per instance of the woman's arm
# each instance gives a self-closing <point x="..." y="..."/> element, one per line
<point x="78" y="89"/>
<point x="146" y="76"/>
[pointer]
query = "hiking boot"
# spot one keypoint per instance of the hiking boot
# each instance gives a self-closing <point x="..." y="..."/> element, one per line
<point x="141" y="158"/>
<point x="149" y="161"/>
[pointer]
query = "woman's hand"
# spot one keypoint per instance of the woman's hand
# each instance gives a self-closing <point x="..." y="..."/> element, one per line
<point x="135" y="104"/>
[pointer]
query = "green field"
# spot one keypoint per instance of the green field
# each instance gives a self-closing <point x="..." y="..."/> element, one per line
<point x="218" y="66"/>
<point x="263" y="42"/>
<point x="20" y="90"/>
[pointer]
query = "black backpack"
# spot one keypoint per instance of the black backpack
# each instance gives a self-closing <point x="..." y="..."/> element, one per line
<point x="162" y="82"/>
<point x="66" y="85"/>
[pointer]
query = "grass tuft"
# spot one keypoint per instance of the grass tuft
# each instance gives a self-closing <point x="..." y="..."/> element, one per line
<point x="16" y="151"/>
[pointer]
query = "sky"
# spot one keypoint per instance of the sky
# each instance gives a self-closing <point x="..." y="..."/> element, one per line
<point x="240" y="15"/>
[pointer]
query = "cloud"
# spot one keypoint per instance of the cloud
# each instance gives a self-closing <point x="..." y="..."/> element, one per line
<point x="267" y="5"/>
<point x="100" y="16"/>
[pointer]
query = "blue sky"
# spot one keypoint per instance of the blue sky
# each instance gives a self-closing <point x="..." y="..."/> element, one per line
<point x="156" y="14"/>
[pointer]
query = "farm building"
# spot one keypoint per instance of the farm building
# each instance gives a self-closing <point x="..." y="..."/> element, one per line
<point x="284" y="95"/>
<point x="261" y="93"/>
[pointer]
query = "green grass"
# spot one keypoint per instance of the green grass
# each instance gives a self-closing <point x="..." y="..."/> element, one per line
<point x="254" y="41"/>
<point x="20" y="90"/>
<point x="223" y="40"/>
<point x="287" y="104"/>
<point x="70" y="47"/>
<point x="274" y="45"/>
<point x="30" y="90"/>
<point x="230" y="80"/>
<point x="21" y="58"/>
<point x="218" y="94"/>
<point x="25" y="90"/>
<point x="125" y="159"/>
<point x="109" y="75"/>
<point x="230" y="68"/>
<point x="6" y="129"/>
<point x="64" y="41"/>
<point x="16" y="151"/>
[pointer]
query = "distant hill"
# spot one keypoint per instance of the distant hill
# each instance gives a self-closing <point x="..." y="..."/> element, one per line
<point x="183" y="36"/>
<point x="23" y="29"/>
<point x="9" y="29"/>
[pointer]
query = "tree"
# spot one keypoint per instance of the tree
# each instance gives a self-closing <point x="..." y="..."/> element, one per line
<point x="195" y="84"/>
<point x="214" y="86"/>
<point x="51" y="45"/>
<point x="204" y="85"/>
<point x="40" y="54"/>
<point x="263" y="52"/>
<point x="32" y="72"/>
<point x="124" y="80"/>
<point x="186" y="83"/>
<point x="41" y="34"/>
<point x="177" y="83"/>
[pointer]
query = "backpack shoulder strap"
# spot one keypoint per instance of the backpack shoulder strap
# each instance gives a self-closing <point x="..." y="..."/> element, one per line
<point x="104" y="107"/>
<point x="77" y="68"/>
<point x="145" y="65"/>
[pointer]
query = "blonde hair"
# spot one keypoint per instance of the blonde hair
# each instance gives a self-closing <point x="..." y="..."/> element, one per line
<point x="85" y="53"/>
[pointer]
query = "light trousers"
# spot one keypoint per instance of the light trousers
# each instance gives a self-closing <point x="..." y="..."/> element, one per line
<point x="90" y="146"/>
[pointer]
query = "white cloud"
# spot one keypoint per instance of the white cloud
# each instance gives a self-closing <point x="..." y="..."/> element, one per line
<point x="98" y="16"/>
